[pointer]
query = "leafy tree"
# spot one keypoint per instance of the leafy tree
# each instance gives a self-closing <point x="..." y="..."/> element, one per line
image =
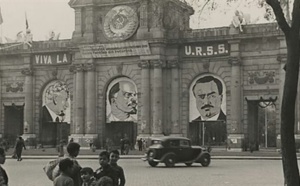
<point x="291" y="33"/>
<point x="215" y="13"/>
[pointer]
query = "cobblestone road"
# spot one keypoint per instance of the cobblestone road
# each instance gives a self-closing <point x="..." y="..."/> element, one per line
<point x="138" y="173"/>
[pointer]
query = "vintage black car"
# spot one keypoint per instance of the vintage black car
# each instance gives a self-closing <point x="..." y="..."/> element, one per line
<point x="172" y="150"/>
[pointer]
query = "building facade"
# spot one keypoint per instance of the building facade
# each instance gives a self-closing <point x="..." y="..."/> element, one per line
<point x="135" y="69"/>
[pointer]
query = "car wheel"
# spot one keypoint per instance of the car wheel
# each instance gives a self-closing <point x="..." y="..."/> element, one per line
<point x="170" y="161"/>
<point x="205" y="160"/>
<point x="188" y="164"/>
<point x="152" y="163"/>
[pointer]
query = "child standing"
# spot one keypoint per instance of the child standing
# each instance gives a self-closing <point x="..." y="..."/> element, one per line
<point x="64" y="179"/>
<point x="87" y="176"/>
<point x="105" y="169"/>
<point x="113" y="159"/>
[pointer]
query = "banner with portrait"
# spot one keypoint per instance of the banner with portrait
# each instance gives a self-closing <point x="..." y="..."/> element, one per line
<point x="56" y="103"/>
<point x="207" y="99"/>
<point x="121" y="100"/>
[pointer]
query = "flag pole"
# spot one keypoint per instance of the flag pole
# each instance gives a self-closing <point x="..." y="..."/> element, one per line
<point x="1" y="24"/>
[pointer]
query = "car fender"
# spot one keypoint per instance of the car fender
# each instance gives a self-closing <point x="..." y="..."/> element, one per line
<point x="162" y="159"/>
<point x="201" y="155"/>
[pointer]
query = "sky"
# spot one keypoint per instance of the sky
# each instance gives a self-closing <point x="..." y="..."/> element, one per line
<point x="45" y="16"/>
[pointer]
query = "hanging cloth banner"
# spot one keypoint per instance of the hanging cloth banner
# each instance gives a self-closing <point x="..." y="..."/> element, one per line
<point x="134" y="48"/>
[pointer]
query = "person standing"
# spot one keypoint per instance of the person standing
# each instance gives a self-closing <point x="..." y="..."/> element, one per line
<point x="105" y="168"/>
<point x="113" y="159"/>
<point x="126" y="145"/>
<point x="87" y="176"/>
<point x="3" y="175"/>
<point x="140" y="144"/>
<point x="73" y="151"/>
<point x="64" y="179"/>
<point x="20" y="144"/>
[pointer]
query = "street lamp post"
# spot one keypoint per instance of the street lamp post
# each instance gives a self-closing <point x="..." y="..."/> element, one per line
<point x="62" y="115"/>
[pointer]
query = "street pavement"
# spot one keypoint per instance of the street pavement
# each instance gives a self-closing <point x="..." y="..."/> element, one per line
<point x="221" y="172"/>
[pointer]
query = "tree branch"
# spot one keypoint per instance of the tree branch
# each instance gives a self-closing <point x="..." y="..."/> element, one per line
<point x="275" y="4"/>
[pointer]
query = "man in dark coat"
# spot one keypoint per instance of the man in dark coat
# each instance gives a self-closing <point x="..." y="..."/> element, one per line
<point x="19" y="148"/>
<point x="208" y="92"/>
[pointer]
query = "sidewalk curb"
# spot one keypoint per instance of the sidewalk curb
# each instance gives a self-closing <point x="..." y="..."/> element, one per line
<point x="140" y="156"/>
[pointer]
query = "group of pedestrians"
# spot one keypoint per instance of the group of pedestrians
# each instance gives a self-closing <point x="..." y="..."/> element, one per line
<point x="66" y="171"/>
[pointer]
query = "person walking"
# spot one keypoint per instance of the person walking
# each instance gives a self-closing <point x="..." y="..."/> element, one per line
<point x="20" y="144"/>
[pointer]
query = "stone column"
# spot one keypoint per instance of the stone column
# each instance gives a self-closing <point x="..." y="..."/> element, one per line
<point x="175" y="124"/>
<point x="145" y="98"/>
<point x="28" y="131"/>
<point x="79" y="99"/>
<point x="157" y="127"/>
<point x="90" y="124"/>
<point x="235" y="120"/>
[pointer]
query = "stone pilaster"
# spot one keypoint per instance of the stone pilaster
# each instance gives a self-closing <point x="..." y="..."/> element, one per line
<point x="157" y="11"/>
<point x="235" y="89"/>
<point x="79" y="110"/>
<point x="28" y="130"/>
<point x="89" y="22"/>
<point x="28" y="108"/>
<point x="175" y="113"/>
<point x="90" y="124"/>
<point x="79" y="25"/>
<point x="143" y="29"/>
<point x="235" y="120"/>
<point x="145" y="97"/>
<point x="157" y="125"/>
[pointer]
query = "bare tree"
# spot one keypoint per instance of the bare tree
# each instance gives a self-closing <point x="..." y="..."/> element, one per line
<point x="291" y="33"/>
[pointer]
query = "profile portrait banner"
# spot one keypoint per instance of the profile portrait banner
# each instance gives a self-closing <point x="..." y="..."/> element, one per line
<point x="134" y="48"/>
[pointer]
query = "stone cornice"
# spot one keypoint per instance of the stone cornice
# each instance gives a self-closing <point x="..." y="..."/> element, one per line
<point x="223" y="33"/>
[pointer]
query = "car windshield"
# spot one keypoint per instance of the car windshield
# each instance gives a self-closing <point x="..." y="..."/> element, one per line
<point x="156" y="142"/>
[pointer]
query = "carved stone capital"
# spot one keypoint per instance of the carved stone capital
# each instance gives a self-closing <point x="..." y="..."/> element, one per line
<point x="173" y="64"/>
<point x="27" y="71"/>
<point x="89" y="67"/>
<point x="77" y="68"/>
<point x="144" y="64"/>
<point x="235" y="61"/>
<point x="158" y="63"/>
<point x="281" y="58"/>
